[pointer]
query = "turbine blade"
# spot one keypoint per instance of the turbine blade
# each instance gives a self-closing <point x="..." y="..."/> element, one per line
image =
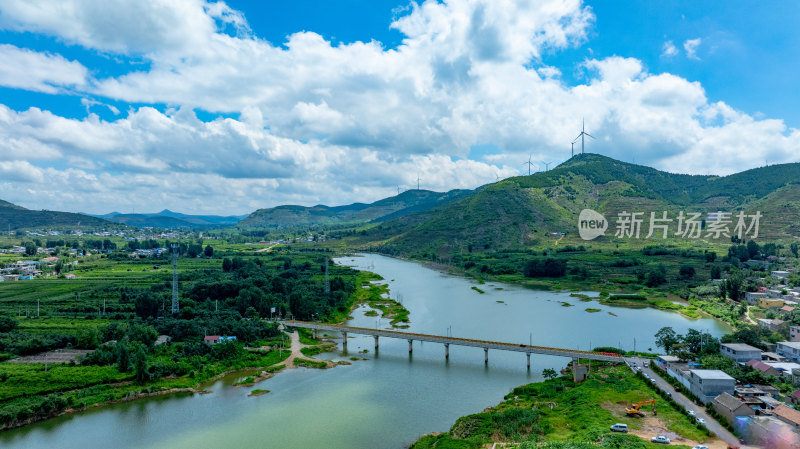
<point x="590" y="135"/>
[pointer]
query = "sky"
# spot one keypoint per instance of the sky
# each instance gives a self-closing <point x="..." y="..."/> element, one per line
<point x="227" y="107"/>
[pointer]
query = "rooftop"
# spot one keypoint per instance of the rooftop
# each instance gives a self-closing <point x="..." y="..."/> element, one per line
<point x="729" y="402"/>
<point x="740" y="347"/>
<point x="669" y="358"/>
<point x="710" y="374"/>
<point x="791" y="344"/>
<point x="787" y="413"/>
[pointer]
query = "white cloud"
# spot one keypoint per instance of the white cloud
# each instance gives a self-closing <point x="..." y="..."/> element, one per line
<point x="691" y="46"/>
<point x="669" y="49"/>
<point x="323" y="123"/>
<point x="41" y="72"/>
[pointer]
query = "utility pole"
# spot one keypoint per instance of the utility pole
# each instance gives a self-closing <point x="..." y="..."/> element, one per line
<point x="37" y="307"/>
<point x="327" y="278"/>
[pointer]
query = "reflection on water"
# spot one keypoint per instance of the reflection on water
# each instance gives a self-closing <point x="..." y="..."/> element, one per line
<point x="386" y="401"/>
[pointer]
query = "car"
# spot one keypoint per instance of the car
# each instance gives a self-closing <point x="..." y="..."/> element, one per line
<point x="645" y="375"/>
<point x="633" y="363"/>
<point x="661" y="439"/>
<point x="700" y="446"/>
<point x="653" y="381"/>
<point x="692" y="413"/>
<point x="700" y="421"/>
<point x="668" y="393"/>
<point x="619" y="427"/>
<point x="646" y="363"/>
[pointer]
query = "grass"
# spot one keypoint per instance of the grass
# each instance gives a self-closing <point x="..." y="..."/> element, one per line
<point x="477" y="289"/>
<point x="310" y="363"/>
<point x="591" y="310"/>
<point x="27" y="379"/>
<point x="258" y="392"/>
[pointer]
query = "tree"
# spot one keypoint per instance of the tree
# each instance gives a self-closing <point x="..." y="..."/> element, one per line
<point x="30" y="248"/>
<point x="735" y="285"/>
<point x="140" y="365"/>
<point x="711" y="256"/>
<point x="146" y="305"/>
<point x="227" y="265"/>
<point x="794" y="247"/>
<point x="656" y="276"/>
<point x="666" y="338"/>
<point x="549" y="373"/>
<point x="88" y="337"/>
<point x="209" y="251"/>
<point x="716" y="272"/>
<point x="123" y="357"/>
<point x="752" y="249"/>
<point x="686" y="272"/>
<point x="7" y="324"/>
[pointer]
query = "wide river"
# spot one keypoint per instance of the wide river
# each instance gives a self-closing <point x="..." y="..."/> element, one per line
<point x="386" y="401"/>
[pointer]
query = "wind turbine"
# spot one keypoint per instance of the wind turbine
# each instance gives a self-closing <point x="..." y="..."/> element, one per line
<point x="496" y="177"/>
<point x="417" y="182"/>
<point x="582" y="135"/>
<point x="573" y="149"/>
<point x="529" y="164"/>
<point x="547" y="165"/>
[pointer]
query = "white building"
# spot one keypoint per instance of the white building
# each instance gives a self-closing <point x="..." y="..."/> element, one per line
<point x="740" y="352"/>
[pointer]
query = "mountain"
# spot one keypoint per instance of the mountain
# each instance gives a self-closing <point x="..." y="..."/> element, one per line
<point x="17" y="217"/>
<point x="408" y="202"/>
<point x="169" y="219"/>
<point x="521" y="211"/>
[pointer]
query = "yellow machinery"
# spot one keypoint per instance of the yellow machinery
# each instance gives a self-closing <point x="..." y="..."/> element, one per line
<point x="633" y="410"/>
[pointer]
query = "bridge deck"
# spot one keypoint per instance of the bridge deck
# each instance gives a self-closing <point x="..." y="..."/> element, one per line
<point x="486" y="344"/>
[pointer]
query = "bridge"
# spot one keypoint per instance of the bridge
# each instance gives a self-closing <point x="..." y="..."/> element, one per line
<point x="447" y="341"/>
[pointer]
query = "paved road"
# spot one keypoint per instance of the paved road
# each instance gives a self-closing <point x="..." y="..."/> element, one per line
<point x="685" y="402"/>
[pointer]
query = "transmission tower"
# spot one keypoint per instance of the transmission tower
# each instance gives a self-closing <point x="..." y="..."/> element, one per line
<point x="327" y="279"/>
<point x="175" y="306"/>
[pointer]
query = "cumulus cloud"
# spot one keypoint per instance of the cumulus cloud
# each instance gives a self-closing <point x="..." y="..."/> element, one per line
<point x="316" y="122"/>
<point x="691" y="46"/>
<point x="40" y="72"/>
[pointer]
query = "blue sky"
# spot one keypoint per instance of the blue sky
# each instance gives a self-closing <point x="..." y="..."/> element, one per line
<point x="227" y="107"/>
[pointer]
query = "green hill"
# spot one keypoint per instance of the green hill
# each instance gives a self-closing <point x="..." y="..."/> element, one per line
<point x="522" y="211"/>
<point x="16" y="217"/>
<point x="408" y="202"/>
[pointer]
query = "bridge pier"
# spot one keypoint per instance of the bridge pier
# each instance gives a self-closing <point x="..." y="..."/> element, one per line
<point x="344" y="339"/>
<point x="485" y="356"/>
<point x="528" y="355"/>
<point x="410" y="346"/>
<point x="314" y="333"/>
<point x="376" y="341"/>
<point x="447" y="351"/>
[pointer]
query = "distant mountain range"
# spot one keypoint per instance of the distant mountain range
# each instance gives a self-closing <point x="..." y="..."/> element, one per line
<point x="408" y="202"/>
<point x="169" y="219"/>
<point x="517" y="212"/>
<point x="14" y="217"/>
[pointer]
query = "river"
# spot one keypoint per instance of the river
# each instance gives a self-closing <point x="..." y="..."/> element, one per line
<point x="386" y="401"/>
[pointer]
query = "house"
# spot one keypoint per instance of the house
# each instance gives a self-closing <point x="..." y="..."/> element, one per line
<point x="763" y="367"/>
<point x="794" y="398"/>
<point x="162" y="339"/>
<point x="752" y="298"/>
<point x="780" y="274"/>
<point x="69" y="276"/>
<point x="788" y="415"/>
<point x="214" y="339"/>
<point x="784" y="368"/>
<point x="770" y="303"/>
<point x="731" y="407"/>
<point x="769" y="403"/>
<point x="772" y="357"/>
<point x="774" y="325"/>
<point x="794" y="333"/>
<point x="789" y="349"/>
<point x="769" y="389"/>
<point x="787" y="309"/>
<point x="740" y="352"/>
<point x="707" y="384"/>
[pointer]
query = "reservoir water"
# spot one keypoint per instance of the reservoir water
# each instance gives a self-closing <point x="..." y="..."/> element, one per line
<point x="386" y="401"/>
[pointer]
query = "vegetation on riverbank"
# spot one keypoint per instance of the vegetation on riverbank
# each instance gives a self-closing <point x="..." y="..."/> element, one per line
<point x="561" y="411"/>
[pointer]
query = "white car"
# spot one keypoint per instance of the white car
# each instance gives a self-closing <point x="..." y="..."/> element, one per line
<point x="660" y="439"/>
<point x="619" y="427"/>
<point x="701" y="421"/>
<point x="700" y="446"/>
<point x="645" y="375"/>
<point x="692" y="413"/>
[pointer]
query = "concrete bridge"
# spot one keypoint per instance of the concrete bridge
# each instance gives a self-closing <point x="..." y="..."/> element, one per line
<point x="447" y="341"/>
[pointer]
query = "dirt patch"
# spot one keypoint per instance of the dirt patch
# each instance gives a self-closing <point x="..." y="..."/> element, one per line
<point x="56" y="356"/>
<point x="653" y="426"/>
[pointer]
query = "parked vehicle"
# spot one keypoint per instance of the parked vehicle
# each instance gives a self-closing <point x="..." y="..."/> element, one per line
<point x="700" y="446"/>
<point x="619" y="427"/>
<point x="646" y="363"/>
<point x="661" y="439"/>
<point x="701" y="421"/>
<point x="692" y="413"/>
<point x="645" y="375"/>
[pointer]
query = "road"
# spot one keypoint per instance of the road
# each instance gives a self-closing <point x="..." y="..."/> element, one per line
<point x="687" y="403"/>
